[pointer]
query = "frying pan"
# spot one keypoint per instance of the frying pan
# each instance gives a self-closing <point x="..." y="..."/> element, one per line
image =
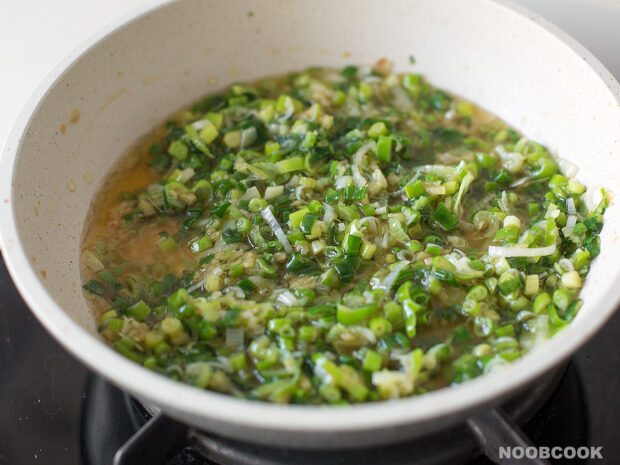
<point x="128" y="78"/>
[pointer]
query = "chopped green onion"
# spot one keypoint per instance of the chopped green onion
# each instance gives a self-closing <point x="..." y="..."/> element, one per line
<point x="351" y="316"/>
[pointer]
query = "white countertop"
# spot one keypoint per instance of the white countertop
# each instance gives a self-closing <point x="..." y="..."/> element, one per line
<point x="37" y="34"/>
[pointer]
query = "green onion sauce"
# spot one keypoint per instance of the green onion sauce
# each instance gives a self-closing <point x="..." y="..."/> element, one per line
<point x="336" y="236"/>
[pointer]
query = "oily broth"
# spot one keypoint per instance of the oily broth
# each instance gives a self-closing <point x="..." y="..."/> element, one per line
<point x="125" y="247"/>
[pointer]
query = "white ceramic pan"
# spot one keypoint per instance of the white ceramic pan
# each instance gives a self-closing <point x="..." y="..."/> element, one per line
<point x="128" y="78"/>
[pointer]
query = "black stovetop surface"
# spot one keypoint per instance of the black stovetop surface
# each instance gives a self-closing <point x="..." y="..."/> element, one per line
<point x="43" y="391"/>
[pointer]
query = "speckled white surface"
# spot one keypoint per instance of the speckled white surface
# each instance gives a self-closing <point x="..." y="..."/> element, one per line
<point x="132" y="79"/>
<point x="37" y="34"/>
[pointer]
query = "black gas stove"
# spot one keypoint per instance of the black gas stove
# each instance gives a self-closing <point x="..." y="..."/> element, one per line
<point x="54" y="411"/>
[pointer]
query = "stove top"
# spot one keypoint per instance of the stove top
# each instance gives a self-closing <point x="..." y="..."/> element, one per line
<point x="181" y="448"/>
<point x="54" y="411"/>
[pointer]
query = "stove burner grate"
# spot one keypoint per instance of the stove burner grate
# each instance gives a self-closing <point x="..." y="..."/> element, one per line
<point x="118" y="429"/>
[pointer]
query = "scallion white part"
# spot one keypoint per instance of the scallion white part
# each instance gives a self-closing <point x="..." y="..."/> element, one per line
<point x="390" y="279"/>
<point x="277" y="229"/>
<point x="496" y="251"/>
<point x="568" y="168"/>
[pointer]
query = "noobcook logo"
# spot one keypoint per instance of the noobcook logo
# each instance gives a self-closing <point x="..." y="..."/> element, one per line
<point x="551" y="452"/>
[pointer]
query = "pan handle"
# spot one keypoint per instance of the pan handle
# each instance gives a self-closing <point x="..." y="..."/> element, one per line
<point x="159" y="439"/>
<point x="494" y="430"/>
